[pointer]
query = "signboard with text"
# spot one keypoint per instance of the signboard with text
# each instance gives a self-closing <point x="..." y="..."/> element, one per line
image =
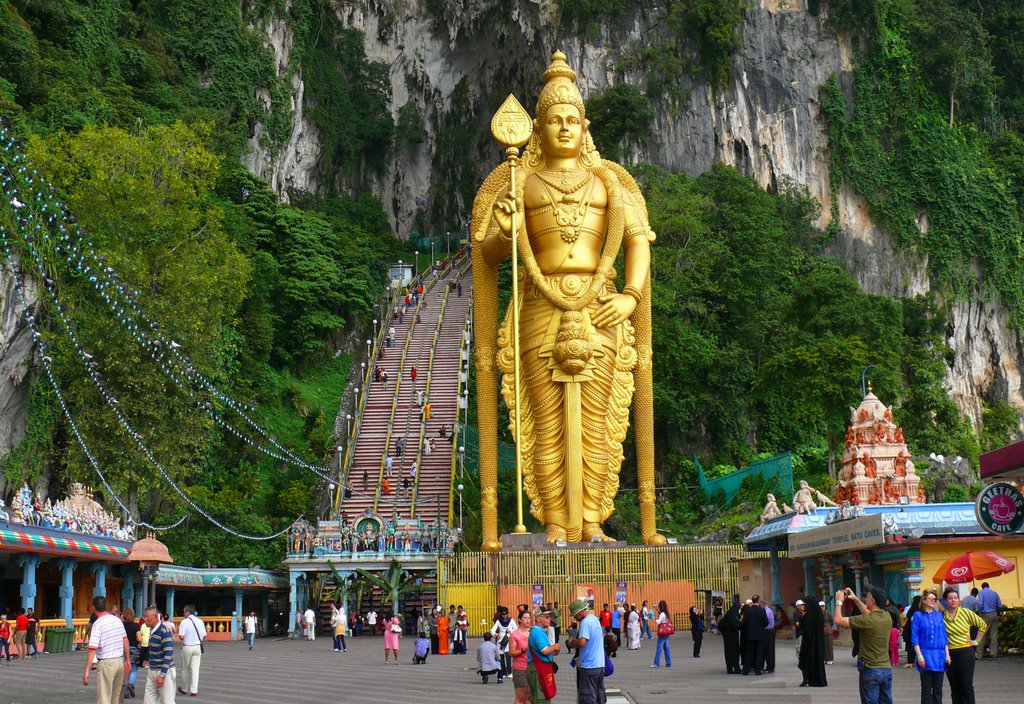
<point x="843" y="536"/>
<point x="1000" y="509"/>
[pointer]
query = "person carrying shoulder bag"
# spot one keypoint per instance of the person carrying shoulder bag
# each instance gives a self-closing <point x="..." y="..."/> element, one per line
<point x="192" y="633"/>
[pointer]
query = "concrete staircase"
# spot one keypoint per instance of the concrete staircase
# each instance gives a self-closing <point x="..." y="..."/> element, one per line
<point x="432" y="346"/>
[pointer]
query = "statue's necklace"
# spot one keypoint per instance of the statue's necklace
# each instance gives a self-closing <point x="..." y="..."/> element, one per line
<point x="567" y="182"/>
<point x="569" y="213"/>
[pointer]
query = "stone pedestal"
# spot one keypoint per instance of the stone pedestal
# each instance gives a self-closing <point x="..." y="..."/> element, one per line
<point x="539" y="541"/>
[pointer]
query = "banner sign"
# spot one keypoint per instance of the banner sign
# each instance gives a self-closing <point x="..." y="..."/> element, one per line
<point x="620" y="592"/>
<point x="843" y="536"/>
<point x="999" y="509"/>
<point x="538" y="595"/>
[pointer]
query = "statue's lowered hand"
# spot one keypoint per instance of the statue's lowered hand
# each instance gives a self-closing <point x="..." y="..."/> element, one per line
<point x="617" y="307"/>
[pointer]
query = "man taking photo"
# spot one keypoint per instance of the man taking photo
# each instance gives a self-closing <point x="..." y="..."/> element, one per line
<point x="874" y="624"/>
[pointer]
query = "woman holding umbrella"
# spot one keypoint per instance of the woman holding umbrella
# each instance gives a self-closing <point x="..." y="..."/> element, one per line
<point x="958" y="623"/>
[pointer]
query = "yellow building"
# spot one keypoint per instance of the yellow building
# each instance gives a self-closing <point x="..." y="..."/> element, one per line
<point x="1010" y="587"/>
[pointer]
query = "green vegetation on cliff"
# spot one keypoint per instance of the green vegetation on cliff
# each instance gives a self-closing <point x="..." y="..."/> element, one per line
<point x="929" y="134"/>
<point x="140" y="115"/>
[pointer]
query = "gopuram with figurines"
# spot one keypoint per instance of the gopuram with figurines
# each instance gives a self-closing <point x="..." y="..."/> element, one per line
<point x="877" y="525"/>
<point x="78" y="513"/>
<point x="876" y="466"/>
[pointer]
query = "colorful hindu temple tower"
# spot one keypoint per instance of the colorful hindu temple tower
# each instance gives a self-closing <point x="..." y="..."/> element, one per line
<point x="876" y="466"/>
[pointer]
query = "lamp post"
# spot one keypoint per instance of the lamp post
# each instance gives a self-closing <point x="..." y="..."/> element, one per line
<point x="374" y="328"/>
<point x="460" y="487"/>
<point x="348" y="422"/>
<point x="362" y="371"/>
<point x="416" y="265"/>
<point x="431" y="252"/>
<point x="369" y="344"/>
<point x="462" y="465"/>
<point x="447" y="246"/>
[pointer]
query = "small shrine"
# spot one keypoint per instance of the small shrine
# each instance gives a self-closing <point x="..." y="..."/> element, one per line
<point x="876" y="466"/>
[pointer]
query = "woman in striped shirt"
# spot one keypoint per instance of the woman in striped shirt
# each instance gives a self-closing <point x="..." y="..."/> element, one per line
<point x="961" y="646"/>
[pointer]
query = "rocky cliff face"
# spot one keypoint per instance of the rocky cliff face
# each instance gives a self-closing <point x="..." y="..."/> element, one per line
<point x="766" y="122"/>
<point x="16" y="348"/>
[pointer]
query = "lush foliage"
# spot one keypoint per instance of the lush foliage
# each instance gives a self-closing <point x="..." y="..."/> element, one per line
<point x="944" y="188"/>
<point x="141" y="113"/>
<point x="620" y="115"/>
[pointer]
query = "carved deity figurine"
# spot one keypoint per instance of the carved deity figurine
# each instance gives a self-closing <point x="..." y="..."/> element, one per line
<point x="584" y="346"/>
<point x="803" y="499"/>
<point x="771" y="510"/>
<point x="858" y="468"/>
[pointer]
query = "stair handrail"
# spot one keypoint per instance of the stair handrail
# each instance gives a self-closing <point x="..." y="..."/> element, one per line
<point x="394" y="397"/>
<point x="463" y="348"/>
<point x="423" y="420"/>
<point x="346" y="465"/>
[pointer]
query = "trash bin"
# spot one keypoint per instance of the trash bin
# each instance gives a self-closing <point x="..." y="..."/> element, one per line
<point x="59" y="640"/>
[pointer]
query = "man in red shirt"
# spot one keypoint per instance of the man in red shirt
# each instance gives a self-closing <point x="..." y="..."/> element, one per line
<point x="606" y="618"/>
<point x="20" y="634"/>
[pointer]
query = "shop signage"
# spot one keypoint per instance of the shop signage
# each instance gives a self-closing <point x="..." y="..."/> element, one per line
<point x="1000" y="509"/>
<point x="855" y="534"/>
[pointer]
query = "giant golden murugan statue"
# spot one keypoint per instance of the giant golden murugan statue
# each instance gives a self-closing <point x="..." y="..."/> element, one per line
<point x="584" y="347"/>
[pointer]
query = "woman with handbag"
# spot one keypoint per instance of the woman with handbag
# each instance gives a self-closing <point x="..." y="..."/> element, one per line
<point x="392" y="629"/>
<point x="518" y="646"/>
<point x="665" y="631"/>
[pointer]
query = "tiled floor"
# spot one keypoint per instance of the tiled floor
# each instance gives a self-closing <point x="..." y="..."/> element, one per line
<point x="297" y="671"/>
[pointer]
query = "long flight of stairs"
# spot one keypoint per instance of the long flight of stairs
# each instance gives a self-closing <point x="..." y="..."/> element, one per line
<point x="391" y="411"/>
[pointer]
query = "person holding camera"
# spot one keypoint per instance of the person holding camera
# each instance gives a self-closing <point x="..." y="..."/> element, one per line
<point x="874" y="625"/>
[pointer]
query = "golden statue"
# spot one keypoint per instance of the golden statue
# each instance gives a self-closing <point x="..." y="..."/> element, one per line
<point x="584" y="348"/>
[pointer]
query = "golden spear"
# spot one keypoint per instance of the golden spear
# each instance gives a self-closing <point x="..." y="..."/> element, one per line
<point x="512" y="127"/>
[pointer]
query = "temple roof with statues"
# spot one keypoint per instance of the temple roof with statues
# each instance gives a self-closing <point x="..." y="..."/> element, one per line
<point x="912" y="521"/>
<point x="876" y="465"/>
<point x="876" y="476"/>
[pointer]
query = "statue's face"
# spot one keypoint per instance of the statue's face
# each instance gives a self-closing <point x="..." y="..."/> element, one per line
<point x="561" y="133"/>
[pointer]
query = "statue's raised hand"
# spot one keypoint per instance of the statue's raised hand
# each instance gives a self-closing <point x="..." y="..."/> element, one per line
<point x="617" y="307"/>
<point x="503" y="210"/>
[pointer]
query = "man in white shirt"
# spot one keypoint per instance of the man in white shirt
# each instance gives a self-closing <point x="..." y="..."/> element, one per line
<point x="310" y="624"/>
<point x="192" y="632"/>
<point x="108" y="645"/>
<point x="371" y="621"/>
<point x="250" y="628"/>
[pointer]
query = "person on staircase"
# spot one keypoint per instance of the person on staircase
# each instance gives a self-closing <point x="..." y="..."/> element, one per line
<point x="412" y="374"/>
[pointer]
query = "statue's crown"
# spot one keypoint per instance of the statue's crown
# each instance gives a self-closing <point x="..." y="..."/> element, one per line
<point x="559" y="87"/>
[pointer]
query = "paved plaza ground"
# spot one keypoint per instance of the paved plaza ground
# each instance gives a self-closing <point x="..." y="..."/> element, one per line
<point x="282" y="671"/>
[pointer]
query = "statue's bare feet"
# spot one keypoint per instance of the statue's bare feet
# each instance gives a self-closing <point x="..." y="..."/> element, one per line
<point x="555" y="533"/>
<point x="592" y="533"/>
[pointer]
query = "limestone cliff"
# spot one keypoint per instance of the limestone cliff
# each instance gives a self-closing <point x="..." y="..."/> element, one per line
<point x="16" y="349"/>
<point x="766" y="122"/>
<point x="459" y="58"/>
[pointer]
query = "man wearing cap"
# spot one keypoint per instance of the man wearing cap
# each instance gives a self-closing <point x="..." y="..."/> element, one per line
<point x="798" y="614"/>
<point x="874" y="625"/>
<point x="589" y="645"/>
<point x="540" y="645"/>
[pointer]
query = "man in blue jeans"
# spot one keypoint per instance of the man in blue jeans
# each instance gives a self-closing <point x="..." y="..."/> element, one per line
<point x="874" y="625"/>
